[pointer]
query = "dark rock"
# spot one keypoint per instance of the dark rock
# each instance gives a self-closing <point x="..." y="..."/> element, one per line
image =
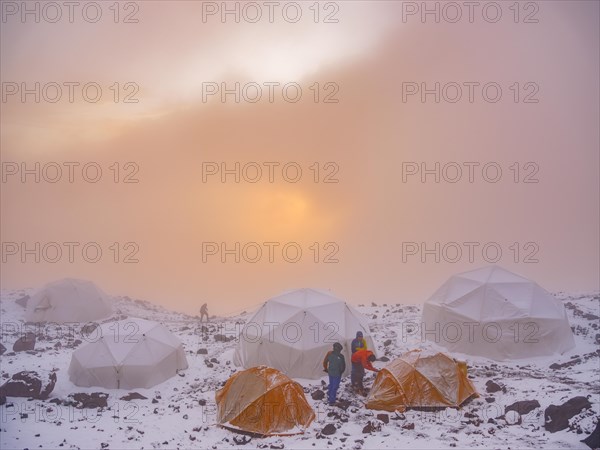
<point x="202" y="402"/>
<point x="343" y="404"/>
<point x="409" y="426"/>
<point x="384" y="418"/>
<point x="318" y="395"/>
<point x="277" y="446"/>
<point x="329" y="429"/>
<point x="202" y="351"/>
<point x="387" y="342"/>
<point x="557" y="417"/>
<point x="223" y="338"/>
<point x="88" y="329"/>
<point x="154" y="401"/>
<point x="22" y="301"/>
<point x="384" y="359"/>
<point x="571" y="363"/>
<point x="491" y="387"/>
<point x="133" y="396"/>
<point x="523" y="407"/>
<point x="490" y="399"/>
<point x="241" y="440"/>
<point x="2" y="349"/>
<point x="29" y="384"/>
<point x="371" y="427"/>
<point x="593" y="440"/>
<point x="214" y="360"/>
<point x="24" y="343"/>
<point x="82" y="400"/>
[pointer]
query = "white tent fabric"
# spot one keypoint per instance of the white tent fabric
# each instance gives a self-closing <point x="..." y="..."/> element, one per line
<point x="294" y="331"/>
<point x="128" y="354"/>
<point x="495" y="313"/>
<point x="68" y="300"/>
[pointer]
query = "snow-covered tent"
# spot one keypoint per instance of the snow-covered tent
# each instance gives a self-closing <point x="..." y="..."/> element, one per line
<point x="495" y="313"/>
<point x="262" y="400"/>
<point x="294" y="331"/>
<point x="421" y="379"/>
<point x="128" y="354"/>
<point x="68" y="300"/>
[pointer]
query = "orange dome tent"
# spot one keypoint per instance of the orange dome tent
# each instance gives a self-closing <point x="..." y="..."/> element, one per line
<point x="264" y="401"/>
<point x="421" y="380"/>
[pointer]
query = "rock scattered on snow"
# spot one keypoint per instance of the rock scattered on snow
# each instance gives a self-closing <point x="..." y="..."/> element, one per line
<point x="523" y="407"/>
<point x="29" y="384"/>
<point x="133" y="396"/>
<point x="82" y="400"/>
<point x="22" y="301"/>
<point x="371" y="427"/>
<point x="593" y="440"/>
<point x="557" y="417"/>
<point x="24" y="343"/>
<point x="318" y="395"/>
<point x="329" y="429"/>
<point x="492" y="387"/>
<point x="384" y="418"/>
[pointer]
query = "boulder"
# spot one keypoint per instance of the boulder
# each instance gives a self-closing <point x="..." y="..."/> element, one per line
<point x="29" y="384"/>
<point x="523" y="407"/>
<point x="133" y="396"/>
<point x="82" y="400"/>
<point x="557" y="417"/>
<point x="593" y="440"/>
<point x="22" y="301"/>
<point x="2" y="349"/>
<point x="371" y="427"/>
<point x="329" y="429"/>
<point x="318" y="395"/>
<point x="25" y="343"/>
<point x="384" y="418"/>
<point x="491" y="387"/>
<point x="88" y="329"/>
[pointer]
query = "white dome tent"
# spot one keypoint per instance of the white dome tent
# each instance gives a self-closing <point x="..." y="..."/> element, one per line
<point x="68" y="300"/>
<point x="294" y="331"/>
<point x="128" y="354"/>
<point x="497" y="314"/>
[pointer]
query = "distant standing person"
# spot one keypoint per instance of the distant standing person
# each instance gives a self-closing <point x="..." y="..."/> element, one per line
<point x="335" y="365"/>
<point x="358" y="343"/>
<point x="204" y="312"/>
<point x="361" y="361"/>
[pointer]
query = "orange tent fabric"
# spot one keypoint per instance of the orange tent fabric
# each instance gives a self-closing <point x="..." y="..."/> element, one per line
<point x="263" y="400"/>
<point x="421" y="380"/>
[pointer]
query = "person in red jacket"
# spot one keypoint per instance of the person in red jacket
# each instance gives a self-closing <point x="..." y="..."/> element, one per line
<point x="361" y="361"/>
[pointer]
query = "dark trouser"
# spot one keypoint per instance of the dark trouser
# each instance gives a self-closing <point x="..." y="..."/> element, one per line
<point x="202" y="316"/>
<point x="357" y="375"/>
<point x="334" y="384"/>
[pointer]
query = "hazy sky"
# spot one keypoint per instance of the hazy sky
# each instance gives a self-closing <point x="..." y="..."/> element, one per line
<point x="375" y="221"/>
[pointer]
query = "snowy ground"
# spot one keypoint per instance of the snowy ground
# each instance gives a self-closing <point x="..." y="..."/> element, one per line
<point x="180" y="413"/>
